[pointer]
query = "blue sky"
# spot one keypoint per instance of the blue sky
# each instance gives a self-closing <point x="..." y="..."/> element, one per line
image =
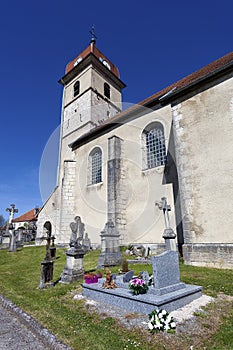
<point x="153" y="44"/>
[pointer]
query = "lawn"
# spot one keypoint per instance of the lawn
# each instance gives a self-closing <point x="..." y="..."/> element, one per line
<point x="80" y="328"/>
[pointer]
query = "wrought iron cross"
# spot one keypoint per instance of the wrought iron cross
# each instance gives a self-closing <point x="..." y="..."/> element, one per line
<point x="93" y="36"/>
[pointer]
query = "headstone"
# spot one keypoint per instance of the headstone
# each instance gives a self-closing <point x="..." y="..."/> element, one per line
<point x="128" y="276"/>
<point x="10" y="228"/>
<point x="166" y="272"/>
<point x="46" y="274"/>
<point x="53" y="248"/>
<point x="74" y="270"/>
<point x="110" y="247"/>
<point x="86" y="243"/>
<point x="12" y="234"/>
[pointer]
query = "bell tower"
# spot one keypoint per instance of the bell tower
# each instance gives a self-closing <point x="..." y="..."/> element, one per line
<point x="92" y="94"/>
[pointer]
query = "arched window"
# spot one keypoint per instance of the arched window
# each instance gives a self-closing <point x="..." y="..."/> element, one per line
<point x="95" y="166"/>
<point x="106" y="90"/>
<point x="154" y="146"/>
<point x="76" y="88"/>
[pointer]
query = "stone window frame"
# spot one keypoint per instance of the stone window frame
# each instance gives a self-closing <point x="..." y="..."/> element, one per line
<point x="160" y="151"/>
<point x="76" y="89"/>
<point x="94" y="178"/>
<point x="107" y="90"/>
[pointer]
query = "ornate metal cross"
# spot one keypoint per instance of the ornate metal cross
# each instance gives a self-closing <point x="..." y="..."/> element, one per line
<point x="93" y="36"/>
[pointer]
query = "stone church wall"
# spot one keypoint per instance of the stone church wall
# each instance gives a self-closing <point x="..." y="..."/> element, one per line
<point x="49" y="212"/>
<point x="203" y="127"/>
<point x="140" y="221"/>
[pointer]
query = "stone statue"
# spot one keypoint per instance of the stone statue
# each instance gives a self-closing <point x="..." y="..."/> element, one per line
<point x="77" y="232"/>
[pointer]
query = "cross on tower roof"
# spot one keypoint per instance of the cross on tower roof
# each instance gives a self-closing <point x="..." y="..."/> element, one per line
<point x="93" y="36"/>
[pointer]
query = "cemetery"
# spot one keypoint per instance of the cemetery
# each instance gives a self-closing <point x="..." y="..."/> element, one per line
<point x="118" y="290"/>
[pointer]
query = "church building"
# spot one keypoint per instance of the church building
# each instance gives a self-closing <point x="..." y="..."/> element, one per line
<point x="116" y="164"/>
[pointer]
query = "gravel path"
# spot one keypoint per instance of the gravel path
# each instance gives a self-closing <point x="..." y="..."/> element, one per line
<point x="14" y="335"/>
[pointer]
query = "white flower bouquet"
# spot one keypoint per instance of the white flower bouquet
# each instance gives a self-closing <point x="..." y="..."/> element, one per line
<point x="160" y="321"/>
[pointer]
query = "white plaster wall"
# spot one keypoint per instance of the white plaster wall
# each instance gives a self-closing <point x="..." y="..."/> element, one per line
<point x="205" y="134"/>
<point x="50" y="212"/>
<point x="144" y="221"/>
<point x="98" y="84"/>
<point x="85" y="78"/>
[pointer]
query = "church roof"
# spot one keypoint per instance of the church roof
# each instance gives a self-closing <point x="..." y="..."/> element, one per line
<point x="197" y="76"/>
<point x="166" y="95"/>
<point x="28" y="216"/>
<point x="92" y="49"/>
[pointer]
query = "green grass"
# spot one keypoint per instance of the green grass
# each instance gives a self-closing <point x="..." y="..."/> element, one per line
<point x="71" y="321"/>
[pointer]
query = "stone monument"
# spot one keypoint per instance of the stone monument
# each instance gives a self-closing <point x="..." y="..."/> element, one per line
<point x="46" y="275"/>
<point x="10" y="228"/>
<point x="110" y="247"/>
<point x="168" y="234"/>
<point x="74" y="270"/>
<point x="167" y="291"/>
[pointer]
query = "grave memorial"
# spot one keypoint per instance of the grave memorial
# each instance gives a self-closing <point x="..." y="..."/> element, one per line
<point x="167" y="292"/>
<point x="11" y="234"/>
<point x="74" y="270"/>
<point x="46" y="275"/>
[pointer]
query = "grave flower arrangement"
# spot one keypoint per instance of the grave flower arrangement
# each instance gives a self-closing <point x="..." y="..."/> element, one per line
<point x="138" y="286"/>
<point x="160" y="321"/>
<point x="92" y="278"/>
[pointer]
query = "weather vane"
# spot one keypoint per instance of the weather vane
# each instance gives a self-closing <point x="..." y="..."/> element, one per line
<point x="93" y="36"/>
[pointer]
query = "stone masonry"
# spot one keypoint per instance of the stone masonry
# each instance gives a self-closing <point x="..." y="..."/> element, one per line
<point x="68" y="195"/>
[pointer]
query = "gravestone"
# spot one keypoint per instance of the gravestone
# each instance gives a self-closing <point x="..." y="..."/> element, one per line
<point x="166" y="273"/>
<point x="46" y="274"/>
<point x="12" y="234"/>
<point x="86" y="243"/>
<point x="74" y="270"/>
<point x="10" y="228"/>
<point x="128" y="276"/>
<point x="52" y="248"/>
<point x="167" y="292"/>
<point x="110" y="248"/>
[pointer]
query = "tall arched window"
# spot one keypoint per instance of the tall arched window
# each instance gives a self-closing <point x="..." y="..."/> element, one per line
<point x="95" y="166"/>
<point x="76" y="88"/>
<point x="154" y="146"/>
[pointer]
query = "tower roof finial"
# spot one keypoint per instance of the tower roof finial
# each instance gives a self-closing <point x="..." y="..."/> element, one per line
<point x="93" y="36"/>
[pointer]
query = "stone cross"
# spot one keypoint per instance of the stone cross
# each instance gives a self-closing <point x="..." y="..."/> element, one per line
<point x="168" y="234"/>
<point x="12" y="210"/>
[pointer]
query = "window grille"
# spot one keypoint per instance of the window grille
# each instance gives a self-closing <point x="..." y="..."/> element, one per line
<point x="96" y="166"/>
<point x="106" y="90"/>
<point x="76" y="88"/>
<point x="155" y="146"/>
